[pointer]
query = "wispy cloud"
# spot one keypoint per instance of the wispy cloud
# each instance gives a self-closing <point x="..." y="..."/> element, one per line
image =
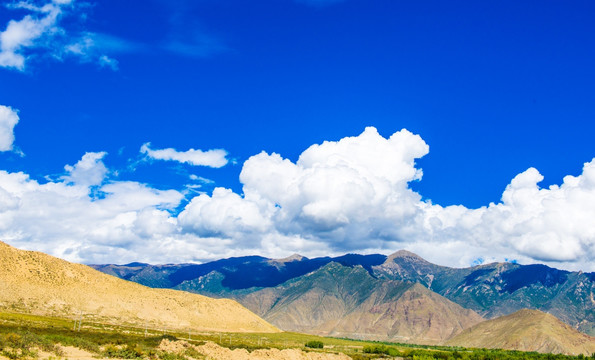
<point x="89" y="45"/>
<point x="35" y="30"/>
<point x="106" y="61"/>
<point x="41" y="34"/>
<point x="215" y="158"/>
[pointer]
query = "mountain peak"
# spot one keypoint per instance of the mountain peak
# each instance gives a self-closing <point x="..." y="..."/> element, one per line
<point x="404" y="254"/>
<point x="294" y="257"/>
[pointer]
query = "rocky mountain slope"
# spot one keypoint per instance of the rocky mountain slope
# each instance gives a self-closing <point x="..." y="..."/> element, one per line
<point x="491" y="290"/>
<point x="344" y="301"/>
<point x="502" y="288"/>
<point x="40" y="284"/>
<point x="527" y="330"/>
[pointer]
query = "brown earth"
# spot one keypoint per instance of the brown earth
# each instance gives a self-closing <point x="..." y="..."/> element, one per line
<point x="347" y="302"/>
<point x="40" y="284"/>
<point x="527" y="330"/>
<point x="68" y="352"/>
<point x="213" y="351"/>
<point x="209" y="350"/>
<point x="419" y="315"/>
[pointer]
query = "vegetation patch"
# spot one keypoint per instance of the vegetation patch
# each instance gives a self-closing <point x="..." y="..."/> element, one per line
<point x="22" y="336"/>
<point x="315" y="344"/>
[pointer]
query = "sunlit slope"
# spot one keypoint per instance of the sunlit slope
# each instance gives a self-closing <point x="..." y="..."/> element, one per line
<point x="527" y="330"/>
<point x="345" y="301"/>
<point x="498" y="289"/>
<point x="37" y="283"/>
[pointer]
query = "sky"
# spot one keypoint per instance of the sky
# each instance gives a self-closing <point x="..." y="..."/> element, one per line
<point x="188" y="131"/>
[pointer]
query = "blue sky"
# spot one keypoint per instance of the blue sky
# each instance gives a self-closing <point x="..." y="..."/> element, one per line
<point x="494" y="88"/>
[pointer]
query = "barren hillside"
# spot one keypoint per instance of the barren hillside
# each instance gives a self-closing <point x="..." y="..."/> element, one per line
<point x="41" y="284"/>
<point x="527" y="330"/>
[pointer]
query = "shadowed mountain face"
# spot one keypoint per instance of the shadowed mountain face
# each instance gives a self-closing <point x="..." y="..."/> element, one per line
<point x="526" y="330"/>
<point x="491" y="290"/>
<point x="238" y="273"/>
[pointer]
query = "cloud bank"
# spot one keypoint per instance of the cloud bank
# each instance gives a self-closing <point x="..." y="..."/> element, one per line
<point x="351" y="195"/>
<point x="212" y="158"/>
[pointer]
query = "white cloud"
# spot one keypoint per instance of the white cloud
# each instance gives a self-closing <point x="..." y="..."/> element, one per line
<point x="336" y="186"/>
<point x="224" y="214"/>
<point x="8" y="120"/>
<point x="215" y="158"/>
<point x="40" y="33"/>
<point x="354" y="195"/>
<point x="31" y="31"/>
<point x="351" y="195"/>
<point x="106" y="61"/>
<point x="64" y="219"/>
<point x="88" y="171"/>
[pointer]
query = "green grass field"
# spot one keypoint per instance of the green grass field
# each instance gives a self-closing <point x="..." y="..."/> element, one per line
<point x="21" y="335"/>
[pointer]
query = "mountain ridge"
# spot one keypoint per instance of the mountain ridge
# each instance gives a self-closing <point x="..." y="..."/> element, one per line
<point x="491" y="290"/>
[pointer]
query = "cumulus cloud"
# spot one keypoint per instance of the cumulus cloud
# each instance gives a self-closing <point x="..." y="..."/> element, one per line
<point x="64" y="219"/>
<point x="88" y="171"/>
<point x="336" y="186"/>
<point x="354" y="195"/>
<point x="350" y="195"/>
<point x="8" y="120"/>
<point x="224" y="214"/>
<point x="40" y="33"/>
<point x="215" y="158"/>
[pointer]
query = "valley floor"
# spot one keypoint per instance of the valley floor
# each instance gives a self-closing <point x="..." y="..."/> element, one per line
<point x="180" y="349"/>
<point x="31" y="337"/>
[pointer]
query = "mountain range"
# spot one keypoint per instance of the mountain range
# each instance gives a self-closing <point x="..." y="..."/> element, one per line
<point x="266" y="286"/>
<point x="350" y="296"/>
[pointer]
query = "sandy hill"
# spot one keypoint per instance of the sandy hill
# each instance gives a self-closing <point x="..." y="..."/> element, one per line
<point x="346" y="301"/>
<point x="527" y="330"/>
<point x="40" y="284"/>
